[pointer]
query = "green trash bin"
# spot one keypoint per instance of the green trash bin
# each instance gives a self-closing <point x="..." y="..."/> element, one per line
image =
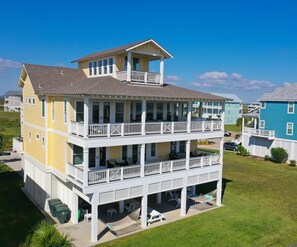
<point x="52" y="202"/>
<point x="63" y="214"/>
<point x="58" y="207"/>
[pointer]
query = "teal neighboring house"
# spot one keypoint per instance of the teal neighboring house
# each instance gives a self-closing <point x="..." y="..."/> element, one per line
<point x="277" y="123"/>
<point x="233" y="108"/>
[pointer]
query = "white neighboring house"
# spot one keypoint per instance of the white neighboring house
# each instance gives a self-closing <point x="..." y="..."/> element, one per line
<point x="13" y="101"/>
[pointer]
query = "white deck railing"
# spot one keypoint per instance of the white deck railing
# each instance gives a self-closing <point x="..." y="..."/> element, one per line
<point x="140" y="77"/>
<point x="134" y="171"/>
<point x="128" y="129"/>
<point x="259" y="132"/>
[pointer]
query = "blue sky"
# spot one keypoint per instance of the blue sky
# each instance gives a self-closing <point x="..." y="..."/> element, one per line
<point x="242" y="47"/>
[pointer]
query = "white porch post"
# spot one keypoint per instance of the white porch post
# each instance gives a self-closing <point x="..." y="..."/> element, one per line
<point x="143" y="116"/>
<point x="94" y="221"/>
<point x="129" y="65"/>
<point x="162" y="70"/>
<point x="188" y="148"/>
<point x="74" y="208"/>
<point x="255" y="123"/>
<point x="86" y="116"/>
<point x="144" y="211"/>
<point x="142" y="159"/>
<point x="219" y="188"/>
<point x="189" y="117"/>
<point x="242" y="124"/>
<point x="221" y="150"/>
<point x="159" y="198"/>
<point x="121" y="206"/>
<point x="183" y="203"/>
<point x="86" y="166"/>
<point x="194" y="190"/>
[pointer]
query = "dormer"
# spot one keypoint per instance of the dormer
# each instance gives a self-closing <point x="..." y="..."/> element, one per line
<point x="129" y="63"/>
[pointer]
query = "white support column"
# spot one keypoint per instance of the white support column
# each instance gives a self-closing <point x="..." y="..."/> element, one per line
<point x="129" y="65"/>
<point x="188" y="149"/>
<point x="86" y="116"/>
<point x="162" y="70"/>
<point x="194" y="190"/>
<point x="242" y="124"/>
<point x="221" y="150"/>
<point x="159" y="198"/>
<point x="143" y="116"/>
<point x="121" y="206"/>
<point x="183" y="203"/>
<point x="142" y="159"/>
<point x="255" y="123"/>
<point x="94" y="221"/>
<point x="74" y="208"/>
<point x="219" y="188"/>
<point x="86" y="166"/>
<point x="144" y="211"/>
<point x="189" y="117"/>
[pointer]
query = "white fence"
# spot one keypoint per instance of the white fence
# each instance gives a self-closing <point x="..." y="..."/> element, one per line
<point x="140" y="77"/>
<point x="259" y="132"/>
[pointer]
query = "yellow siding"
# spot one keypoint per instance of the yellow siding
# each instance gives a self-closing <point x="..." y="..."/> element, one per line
<point x="193" y="145"/>
<point x="149" y="48"/>
<point x="163" y="150"/>
<point x="115" y="153"/>
<point x="72" y="110"/>
<point x="58" y="122"/>
<point x="85" y="67"/>
<point x="34" y="147"/>
<point x="56" y="151"/>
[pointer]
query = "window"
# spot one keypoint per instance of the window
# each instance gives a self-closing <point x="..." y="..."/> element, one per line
<point x="136" y="64"/>
<point x="65" y="111"/>
<point x="95" y="67"/>
<point x="79" y="111"/>
<point x="92" y="157"/>
<point x="124" y="152"/>
<point x="119" y="117"/>
<point x="100" y="67"/>
<point x="263" y="105"/>
<point x="159" y="111"/>
<point x="105" y="66"/>
<point x="53" y="110"/>
<point x="43" y="108"/>
<point x="43" y="142"/>
<point x="77" y="155"/>
<point x="182" y="146"/>
<point x="110" y="62"/>
<point x="90" y="68"/>
<point x="291" y="107"/>
<point x="262" y="124"/>
<point x="33" y="101"/>
<point x="29" y="100"/>
<point x="153" y="150"/>
<point x="290" y="127"/>
<point x="150" y="111"/>
<point x="30" y="135"/>
<point x="37" y="137"/>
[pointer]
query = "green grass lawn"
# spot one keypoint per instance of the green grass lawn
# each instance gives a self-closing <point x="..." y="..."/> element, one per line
<point x="17" y="214"/>
<point x="232" y="127"/>
<point x="9" y="126"/>
<point x="260" y="210"/>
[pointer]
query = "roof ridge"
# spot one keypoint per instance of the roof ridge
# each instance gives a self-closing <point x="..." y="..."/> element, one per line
<point x="48" y="66"/>
<point x="99" y="82"/>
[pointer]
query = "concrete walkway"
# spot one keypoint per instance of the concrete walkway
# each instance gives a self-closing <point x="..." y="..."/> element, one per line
<point x="13" y="160"/>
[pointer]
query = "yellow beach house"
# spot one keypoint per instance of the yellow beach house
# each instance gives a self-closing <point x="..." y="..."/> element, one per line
<point x="112" y="130"/>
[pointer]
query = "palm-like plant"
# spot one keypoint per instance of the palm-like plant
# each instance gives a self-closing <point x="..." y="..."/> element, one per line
<point x="45" y="234"/>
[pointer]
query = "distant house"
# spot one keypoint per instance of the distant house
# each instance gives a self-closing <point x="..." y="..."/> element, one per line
<point x="277" y="124"/>
<point x="13" y="101"/>
<point x="213" y="110"/>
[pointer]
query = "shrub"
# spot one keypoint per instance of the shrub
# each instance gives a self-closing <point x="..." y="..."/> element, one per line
<point x="266" y="157"/>
<point x="279" y="155"/>
<point x="242" y="151"/>
<point x="237" y="136"/>
<point x="292" y="163"/>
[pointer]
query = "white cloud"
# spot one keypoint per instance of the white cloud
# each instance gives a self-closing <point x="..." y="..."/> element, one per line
<point x="9" y="64"/>
<point x="222" y="80"/>
<point x="214" y="75"/>
<point x="172" y="79"/>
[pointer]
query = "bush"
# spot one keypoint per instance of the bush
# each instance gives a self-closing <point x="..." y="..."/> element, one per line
<point x="242" y="151"/>
<point x="266" y="157"/>
<point x="292" y="163"/>
<point x="237" y="136"/>
<point x="279" y="155"/>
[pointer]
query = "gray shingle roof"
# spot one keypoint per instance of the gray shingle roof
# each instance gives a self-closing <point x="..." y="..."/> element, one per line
<point x="287" y="93"/>
<point x="13" y="93"/>
<point x="112" y="51"/>
<point x="231" y="96"/>
<point x="47" y="80"/>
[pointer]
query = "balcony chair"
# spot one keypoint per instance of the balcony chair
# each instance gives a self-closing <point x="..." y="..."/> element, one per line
<point x="111" y="163"/>
<point x="172" y="196"/>
<point x="129" y="161"/>
<point x="178" y="203"/>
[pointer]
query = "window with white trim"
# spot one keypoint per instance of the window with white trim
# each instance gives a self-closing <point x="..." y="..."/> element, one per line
<point x="262" y="124"/>
<point x="33" y="101"/>
<point x="42" y="107"/>
<point x="53" y="110"/>
<point x="29" y="100"/>
<point x="30" y="136"/>
<point x="101" y="67"/>
<point x="37" y="137"/>
<point x="153" y="150"/>
<point x="65" y="112"/>
<point x="263" y="104"/>
<point x="43" y="142"/>
<point x="290" y="127"/>
<point x="291" y="107"/>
